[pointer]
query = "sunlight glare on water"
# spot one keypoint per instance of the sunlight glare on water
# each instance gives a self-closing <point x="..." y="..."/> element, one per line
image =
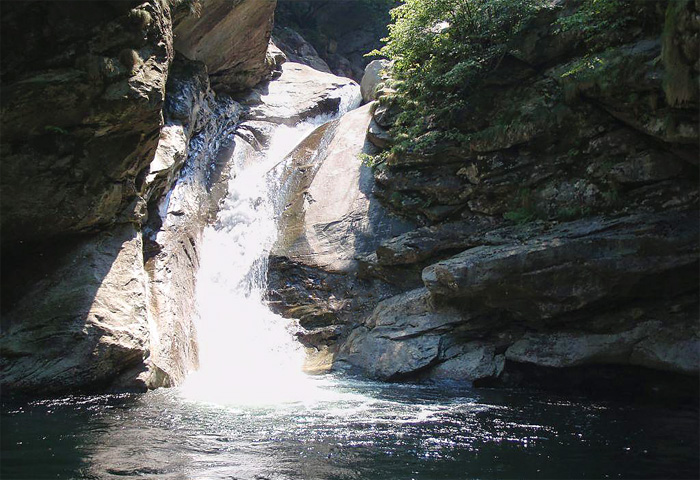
<point x="248" y="355"/>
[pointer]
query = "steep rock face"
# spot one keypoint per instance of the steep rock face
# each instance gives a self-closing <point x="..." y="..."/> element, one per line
<point x="86" y="324"/>
<point x="192" y="162"/>
<point x="83" y="86"/>
<point x="538" y="298"/>
<point x="332" y="217"/>
<point x="562" y="237"/>
<point x="298" y="50"/>
<point x="574" y="266"/>
<point x="330" y="222"/>
<point x="113" y="161"/>
<point x="231" y="38"/>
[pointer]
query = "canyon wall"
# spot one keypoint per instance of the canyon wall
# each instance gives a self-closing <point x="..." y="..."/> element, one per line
<point x="113" y="141"/>
<point x="559" y="247"/>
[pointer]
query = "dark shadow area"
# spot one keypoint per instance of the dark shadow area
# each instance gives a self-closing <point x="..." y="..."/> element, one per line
<point x="637" y="385"/>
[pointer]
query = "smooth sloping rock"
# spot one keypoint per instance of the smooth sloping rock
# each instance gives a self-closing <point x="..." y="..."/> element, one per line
<point x="299" y="93"/>
<point x="103" y="333"/>
<point x="336" y="217"/>
<point x="231" y="38"/>
<point x="576" y="266"/>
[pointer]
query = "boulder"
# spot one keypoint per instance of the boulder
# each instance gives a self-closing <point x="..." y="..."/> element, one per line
<point x="86" y="324"/>
<point x="298" y="50"/>
<point x="299" y="94"/>
<point x="401" y="338"/>
<point x="478" y="361"/>
<point x="379" y="136"/>
<point x="372" y="77"/>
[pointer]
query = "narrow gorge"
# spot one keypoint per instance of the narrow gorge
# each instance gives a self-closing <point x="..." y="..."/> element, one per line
<point x="234" y="246"/>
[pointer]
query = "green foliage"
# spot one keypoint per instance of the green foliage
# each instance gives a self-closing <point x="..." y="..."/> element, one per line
<point x="521" y="215"/>
<point x="572" y="213"/>
<point x="192" y="7"/>
<point x="373" y="160"/>
<point x="612" y="196"/>
<point x="679" y="84"/>
<point x="524" y="210"/>
<point x="55" y="129"/>
<point x="583" y="65"/>
<point x="442" y="50"/>
<point x="594" y="16"/>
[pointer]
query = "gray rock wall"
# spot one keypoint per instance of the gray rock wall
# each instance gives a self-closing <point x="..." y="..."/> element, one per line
<point x="563" y="236"/>
<point x="114" y="158"/>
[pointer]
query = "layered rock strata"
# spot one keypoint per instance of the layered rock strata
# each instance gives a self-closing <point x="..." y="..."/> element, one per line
<point x="561" y="241"/>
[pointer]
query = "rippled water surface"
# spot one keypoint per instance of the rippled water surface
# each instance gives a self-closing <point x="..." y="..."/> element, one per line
<point x="352" y="430"/>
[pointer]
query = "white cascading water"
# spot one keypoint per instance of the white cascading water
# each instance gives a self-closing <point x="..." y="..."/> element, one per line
<point x="248" y="355"/>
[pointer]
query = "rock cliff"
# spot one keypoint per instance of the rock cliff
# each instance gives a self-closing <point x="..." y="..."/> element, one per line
<point x="118" y="141"/>
<point x="561" y="241"/>
<point x="114" y="151"/>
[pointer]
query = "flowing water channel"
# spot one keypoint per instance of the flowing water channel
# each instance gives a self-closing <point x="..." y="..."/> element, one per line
<point x="249" y="412"/>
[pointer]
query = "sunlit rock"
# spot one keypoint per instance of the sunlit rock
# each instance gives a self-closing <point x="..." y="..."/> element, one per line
<point x="231" y="39"/>
<point x="86" y="324"/>
<point x="372" y="78"/>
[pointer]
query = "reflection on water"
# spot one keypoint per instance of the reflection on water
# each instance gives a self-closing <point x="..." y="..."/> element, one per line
<point x="354" y="430"/>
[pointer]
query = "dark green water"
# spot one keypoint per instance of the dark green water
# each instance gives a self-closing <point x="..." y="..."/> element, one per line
<point x="353" y="430"/>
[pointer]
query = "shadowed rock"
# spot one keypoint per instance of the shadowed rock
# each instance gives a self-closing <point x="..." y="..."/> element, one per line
<point x="575" y="266"/>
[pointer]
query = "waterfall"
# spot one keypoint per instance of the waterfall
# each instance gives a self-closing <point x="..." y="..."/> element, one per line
<point x="248" y="355"/>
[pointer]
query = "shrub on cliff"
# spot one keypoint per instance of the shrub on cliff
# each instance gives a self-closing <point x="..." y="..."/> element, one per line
<point x="441" y="50"/>
<point x="444" y="49"/>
